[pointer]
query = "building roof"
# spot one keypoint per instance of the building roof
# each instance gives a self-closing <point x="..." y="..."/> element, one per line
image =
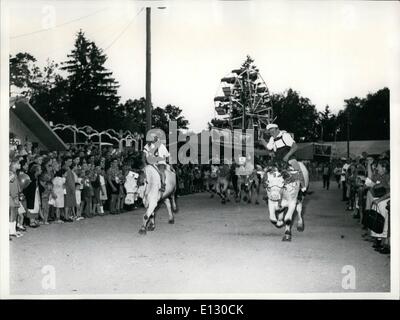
<point x="21" y="107"/>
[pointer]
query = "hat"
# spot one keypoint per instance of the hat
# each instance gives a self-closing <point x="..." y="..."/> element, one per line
<point x="155" y="133"/>
<point x="149" y="137"/>
<point x="242" y="160"/>
<point x="271" y="126"/>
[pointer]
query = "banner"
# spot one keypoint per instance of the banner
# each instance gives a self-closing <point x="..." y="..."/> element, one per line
<point x="324" y="150"/>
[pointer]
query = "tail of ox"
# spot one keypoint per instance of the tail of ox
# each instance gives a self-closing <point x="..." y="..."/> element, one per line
<point x="152" y="197"/>
<point x="283" y="192"/>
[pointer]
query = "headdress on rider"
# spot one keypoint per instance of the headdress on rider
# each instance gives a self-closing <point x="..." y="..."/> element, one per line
<point x="155" y="135"/>
<point x="150" y="137"/>
<point x="272" y="126"/>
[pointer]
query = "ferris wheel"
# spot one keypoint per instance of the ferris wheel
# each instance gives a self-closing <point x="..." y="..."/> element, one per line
<point x="243" y="100"/>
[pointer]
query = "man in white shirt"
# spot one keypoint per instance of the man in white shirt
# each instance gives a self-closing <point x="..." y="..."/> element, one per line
<point x="156" y="153"/>
<point x="284" y="147"/>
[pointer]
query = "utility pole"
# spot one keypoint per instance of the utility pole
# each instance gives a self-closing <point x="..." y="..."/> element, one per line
<point x="148" y="69"/>
<point x="322" y="132"/>
<point x="348" y="132"/>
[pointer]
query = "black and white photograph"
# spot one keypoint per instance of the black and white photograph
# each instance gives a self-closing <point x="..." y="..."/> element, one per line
<point x="199" y="150"/>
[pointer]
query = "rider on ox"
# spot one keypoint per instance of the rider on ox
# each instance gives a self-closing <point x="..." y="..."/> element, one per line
<point x="283" y="186"/>
<point x="155" y="152"/>
<point x="284" y="147"/>
<point x="157" y="183"/>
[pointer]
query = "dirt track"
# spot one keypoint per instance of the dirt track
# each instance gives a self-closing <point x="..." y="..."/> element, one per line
<point x="211" y="248"/>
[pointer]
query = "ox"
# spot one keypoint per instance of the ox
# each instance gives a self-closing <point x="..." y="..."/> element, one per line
<point x="223" y="182"/>
<point x="149" y="191"/>
<point x="249" y="185"/>
<point x="284" y="198"/>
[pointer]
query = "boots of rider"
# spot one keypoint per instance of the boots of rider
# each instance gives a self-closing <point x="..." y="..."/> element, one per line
<point x="296" y="166"/>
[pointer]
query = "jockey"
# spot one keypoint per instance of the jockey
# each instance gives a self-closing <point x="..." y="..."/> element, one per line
<point x="155" y="152"/>
<point x="284" y="147"/>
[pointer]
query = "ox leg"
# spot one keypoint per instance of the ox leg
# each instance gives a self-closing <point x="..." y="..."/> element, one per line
<point x="173" y="204"/>
<point x="238" y="196"/>
<point x="219" y="192"/>
<point x="280" y="222"/>
<point x="288" y="223"/>
<point x="246" y="194"/>
<point x="223" y="194"/>
<point x="272" y="213"/>
<point x="152" y="223"/>
<point x="249" y="194"/>
<point x="171" y="218"/>
<point x="300" y="221"/>
<point x="257" y="194"/>
<point x="148" y="218"/>
<point x="239" y="193"/>
<point x="228" y="194"/>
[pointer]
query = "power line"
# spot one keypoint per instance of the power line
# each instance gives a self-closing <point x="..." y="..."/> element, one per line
<point x="123" y="30"/>
<point x="57" y="26"/>
<point x="97" y="31"/>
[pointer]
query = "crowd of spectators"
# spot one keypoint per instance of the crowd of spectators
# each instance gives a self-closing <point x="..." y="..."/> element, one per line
<point x="79" y="183"/>
<point x="64" y="186"/>
<point x="365" y="185"/>
<point x="84" y="181"/>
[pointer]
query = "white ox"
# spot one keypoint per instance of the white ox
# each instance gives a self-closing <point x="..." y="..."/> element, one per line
<point x="149" y="191"/>
<point x="283" y="195"/>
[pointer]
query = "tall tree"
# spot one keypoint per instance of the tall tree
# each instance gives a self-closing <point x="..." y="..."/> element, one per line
<point x="92" y="89"/>
<point x="131" y="116"/>
<point x="49" y="96"/>
<point x="368" y="118"/>
<point x="327" y="123"/>
<point x="296" y="114"/>
<point x="24" y="73"/>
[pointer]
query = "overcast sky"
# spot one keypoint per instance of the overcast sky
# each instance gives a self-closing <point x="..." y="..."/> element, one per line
<point x="327" y="50"/>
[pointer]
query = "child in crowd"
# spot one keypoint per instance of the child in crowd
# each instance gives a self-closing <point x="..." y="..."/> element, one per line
<point x="97" y="189"/>
<point x="46" y="196"/>
<point x="78" y="194"/>
<point x="87" y="195"/>
<point x="121" y="195"/>
<point x="103" y="190"/>
<point x="59" y="191"/>
<point x="95" y="182"/>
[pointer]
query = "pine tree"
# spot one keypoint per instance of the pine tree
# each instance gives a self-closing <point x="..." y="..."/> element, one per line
<point x="92" y="89"/>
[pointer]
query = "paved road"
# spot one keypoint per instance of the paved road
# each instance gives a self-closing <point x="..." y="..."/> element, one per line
<point x="212" y="248"/>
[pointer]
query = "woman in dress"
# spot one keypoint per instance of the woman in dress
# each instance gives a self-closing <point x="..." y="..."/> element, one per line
<point x="59" y="190"/>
